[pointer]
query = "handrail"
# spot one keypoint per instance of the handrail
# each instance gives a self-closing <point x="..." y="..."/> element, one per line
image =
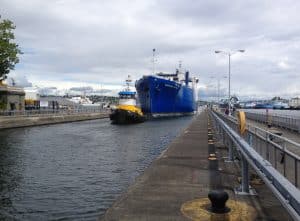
<point x="284" y="190"/>
<point x="254" y="129"/>
<point x="285" y="121"/>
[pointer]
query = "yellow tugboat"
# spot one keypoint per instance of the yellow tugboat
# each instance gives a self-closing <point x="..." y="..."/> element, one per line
<point x="127" y="111"/>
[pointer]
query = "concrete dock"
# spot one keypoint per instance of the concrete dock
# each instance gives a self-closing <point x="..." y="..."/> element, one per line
<point x="24" y="121"/>
<point x="184" y="174"/>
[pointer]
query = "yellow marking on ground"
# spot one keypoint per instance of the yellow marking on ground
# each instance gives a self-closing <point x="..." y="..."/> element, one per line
<point x="212" y="158"/>
<point x="212" y="155"/>
<point x="198" y="210"/>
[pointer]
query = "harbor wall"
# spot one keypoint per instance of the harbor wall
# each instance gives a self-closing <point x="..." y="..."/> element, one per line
<point x="24" y="121"/>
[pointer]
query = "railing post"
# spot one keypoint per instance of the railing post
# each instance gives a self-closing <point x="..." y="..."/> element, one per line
<point x="296" y="173"/>
<point x="230" y="157"/>
<point x="250" y="139"/>
<point x="223" y="136"/>
<point x="267" y="146"/>
<point x="245" y="175"/>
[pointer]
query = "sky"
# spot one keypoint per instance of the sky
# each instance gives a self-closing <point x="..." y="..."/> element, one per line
<point x="73" y="43"/>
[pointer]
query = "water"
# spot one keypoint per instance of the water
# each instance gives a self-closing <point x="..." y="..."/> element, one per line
<point x="75" y="171"/>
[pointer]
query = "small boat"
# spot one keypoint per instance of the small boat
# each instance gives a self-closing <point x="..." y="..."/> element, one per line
<point x="127" y="112"/>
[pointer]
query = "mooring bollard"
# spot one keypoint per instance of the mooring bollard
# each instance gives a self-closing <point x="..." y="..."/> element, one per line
<point x="218" y="200"/>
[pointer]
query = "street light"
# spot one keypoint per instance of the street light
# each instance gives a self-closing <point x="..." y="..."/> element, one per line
<point x="229" y="56"/>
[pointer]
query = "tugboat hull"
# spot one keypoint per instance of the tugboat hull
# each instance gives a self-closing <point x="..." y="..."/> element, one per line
<point x="120" y="116"/>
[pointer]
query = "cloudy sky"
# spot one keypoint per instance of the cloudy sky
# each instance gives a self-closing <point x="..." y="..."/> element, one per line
<point x="80" y="43"/>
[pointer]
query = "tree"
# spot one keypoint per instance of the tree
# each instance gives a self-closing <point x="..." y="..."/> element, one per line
<point x="9" y="50"/>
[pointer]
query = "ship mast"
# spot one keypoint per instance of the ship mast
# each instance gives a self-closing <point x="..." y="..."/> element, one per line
<point x="180" y="73"/>
<point x="128" y="81"/>
<point x="153" y="60"/>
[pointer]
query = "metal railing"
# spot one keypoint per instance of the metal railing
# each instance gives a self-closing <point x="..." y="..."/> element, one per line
<point x="279" y="120"/>
<point x="268" y="155"/>
<point x="46" y="112"/>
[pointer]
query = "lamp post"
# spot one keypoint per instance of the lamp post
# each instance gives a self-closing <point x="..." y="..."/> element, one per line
<point x="229" y="57"/>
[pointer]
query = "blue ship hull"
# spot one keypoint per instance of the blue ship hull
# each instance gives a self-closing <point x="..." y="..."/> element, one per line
<point x="160" y="97"/>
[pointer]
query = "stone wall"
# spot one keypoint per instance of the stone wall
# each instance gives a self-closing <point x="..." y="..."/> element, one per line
<point x="14" y="122"/>
<point x="12" y="98"/>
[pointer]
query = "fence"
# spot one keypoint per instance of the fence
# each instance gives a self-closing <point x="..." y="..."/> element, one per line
<point x="285" y="121"/>
<point x="269" y="155"/>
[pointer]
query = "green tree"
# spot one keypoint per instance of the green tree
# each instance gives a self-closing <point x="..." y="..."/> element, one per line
<point x="9" y="50"/>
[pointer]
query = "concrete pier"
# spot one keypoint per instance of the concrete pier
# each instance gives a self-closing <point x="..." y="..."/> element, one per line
<point x="23" y="121"/>
<point x="193" y="164"/>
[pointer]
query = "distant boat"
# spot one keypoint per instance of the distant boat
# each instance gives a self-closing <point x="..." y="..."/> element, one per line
<point x="127" y="111"/>
<point x="250" y="105"/>
<point x="280" y="105"/>
<point x="263" y="106"/>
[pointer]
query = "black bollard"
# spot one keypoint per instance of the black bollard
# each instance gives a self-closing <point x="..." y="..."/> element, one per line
<point x="218" y="200"/>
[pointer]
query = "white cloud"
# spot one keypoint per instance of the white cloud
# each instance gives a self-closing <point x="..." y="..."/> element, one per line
<point x="284" y="65"/>
<point x="75" y="42"/>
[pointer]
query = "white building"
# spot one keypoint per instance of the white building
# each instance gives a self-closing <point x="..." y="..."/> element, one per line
<point x="295" y="102"/>
<point x="32" y="93"/>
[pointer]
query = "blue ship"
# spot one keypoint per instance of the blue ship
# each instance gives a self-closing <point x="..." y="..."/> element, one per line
<point x="164" y="95"/>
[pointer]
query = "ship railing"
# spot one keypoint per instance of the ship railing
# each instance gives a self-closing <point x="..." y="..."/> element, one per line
<point x="280" y="120"/>
<point x="267" y="154"/>
<point x="51" y="112"/>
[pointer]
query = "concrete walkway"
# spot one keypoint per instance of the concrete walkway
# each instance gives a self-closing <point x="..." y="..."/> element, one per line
<point x="184" y="173"/>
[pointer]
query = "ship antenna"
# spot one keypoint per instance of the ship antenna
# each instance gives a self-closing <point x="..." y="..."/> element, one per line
<point x="128" y="80"/>
<point x="180" y="65"/>
<point x="153" y="60"/>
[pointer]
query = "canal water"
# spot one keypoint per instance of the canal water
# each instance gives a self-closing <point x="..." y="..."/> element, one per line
<point x="75" y="171"/>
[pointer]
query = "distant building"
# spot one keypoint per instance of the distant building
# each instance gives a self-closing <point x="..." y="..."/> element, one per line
<point x="55" y="102"/>
<point x="11" y="98"/>
<point x="295" y="102"/>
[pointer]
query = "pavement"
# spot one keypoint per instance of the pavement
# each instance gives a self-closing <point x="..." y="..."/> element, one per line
<point x="176" y="185"/>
